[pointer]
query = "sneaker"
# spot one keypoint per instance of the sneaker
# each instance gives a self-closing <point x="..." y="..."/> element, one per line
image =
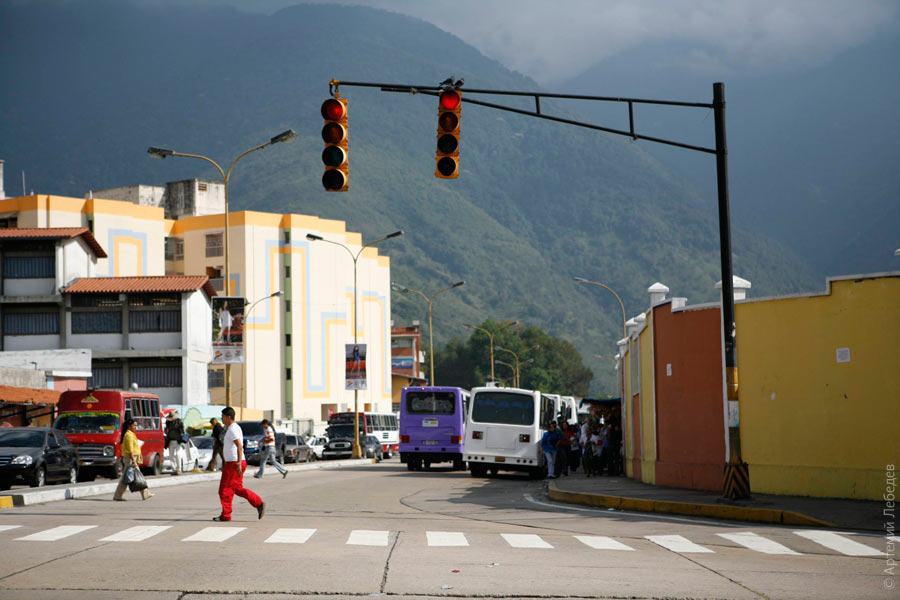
<point x="283" y="475"/>
<point x="221" y="518"/>
<point x="261" y="510"/>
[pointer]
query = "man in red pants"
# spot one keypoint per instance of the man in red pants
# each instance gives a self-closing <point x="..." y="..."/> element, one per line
<point x="232" y="481"/>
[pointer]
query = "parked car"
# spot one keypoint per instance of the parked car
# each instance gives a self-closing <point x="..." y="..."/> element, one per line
<point x="317" y="444"/>
<point x="338" y="448"/>
<point x="296" y="450"/>
<point x="35" y="456"/>
<point x="188" y="456"/>
<point x="372" y="448"/>
<point x="204" y="444"/>
<point x="253" y="435"/>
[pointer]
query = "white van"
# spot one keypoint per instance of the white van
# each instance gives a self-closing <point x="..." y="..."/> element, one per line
<point x="503" y="431"/>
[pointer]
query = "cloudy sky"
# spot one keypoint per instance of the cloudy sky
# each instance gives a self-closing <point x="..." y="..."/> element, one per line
<point x="554" y="40"/>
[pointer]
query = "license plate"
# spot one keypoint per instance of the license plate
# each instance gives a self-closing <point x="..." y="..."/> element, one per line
<point x="499" y="459"/>
<point x="429" y="422"/>
<point x="431" y="442"/>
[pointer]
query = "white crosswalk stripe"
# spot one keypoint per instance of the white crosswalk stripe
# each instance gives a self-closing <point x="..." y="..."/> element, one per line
<point x="750" y="540"/>
<point x="214" y="534"/>
<point x="677" y="543"/>
<point x="446" y="538"/>
<point x="136" y="534"/>
<point x="601" y="542"/>
<point x="290" y="536"/>
<point x="525" y="540"/>
<point x="57" y="533"/>
<point x="839" y="543"/>
<point x="8" y="527"/>
<point x="364" y="537"/>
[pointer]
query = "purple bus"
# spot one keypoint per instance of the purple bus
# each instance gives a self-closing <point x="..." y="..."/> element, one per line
<point x="432" y="426"/>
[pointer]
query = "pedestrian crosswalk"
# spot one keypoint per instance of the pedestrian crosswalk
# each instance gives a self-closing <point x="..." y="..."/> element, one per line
<point x="840" y="543"/>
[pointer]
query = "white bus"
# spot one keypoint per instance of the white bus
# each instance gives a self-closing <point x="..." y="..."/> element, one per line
<point x="503" y="431"/>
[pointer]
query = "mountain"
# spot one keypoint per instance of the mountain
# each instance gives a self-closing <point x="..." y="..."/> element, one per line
<point x="88" y="86"/>
<point x="812" y="149"/>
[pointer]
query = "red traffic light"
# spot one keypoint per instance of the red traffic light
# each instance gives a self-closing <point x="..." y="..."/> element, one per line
<point x="333" y="110"/>
<point x="335" y="155"/>
<point x="450" y="99"/>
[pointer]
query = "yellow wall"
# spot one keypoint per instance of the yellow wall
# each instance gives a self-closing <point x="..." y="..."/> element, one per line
<point x="629" y="413"/>
<point x="811" y="425"/>
<point x="648" y="427"/>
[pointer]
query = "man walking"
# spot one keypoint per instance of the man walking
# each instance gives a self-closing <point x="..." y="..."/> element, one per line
<point x="174" y="437"/>
<point x="232" y="481"/>
<point x="267" y="452"/>
<point x="549" y="442"/>
<point x="217" y="434"/>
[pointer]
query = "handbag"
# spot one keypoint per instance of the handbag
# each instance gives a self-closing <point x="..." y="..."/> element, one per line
<point x="138" y="482"/>
<point x="128" y="475"/>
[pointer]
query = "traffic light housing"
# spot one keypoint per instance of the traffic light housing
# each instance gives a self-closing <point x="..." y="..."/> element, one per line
<point x="335" y="155"/>
<point x="447" y="158"/>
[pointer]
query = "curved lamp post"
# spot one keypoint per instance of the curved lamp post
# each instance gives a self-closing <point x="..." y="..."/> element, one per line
<point x="512" y="368"/>
<point x="317" y="238"/>
<point x="285" y="136"/>
<point x="430" y="300"/>
<point x="622" y="304"/>
<point x="518" y="362"/>
<point x="491" y="338"/>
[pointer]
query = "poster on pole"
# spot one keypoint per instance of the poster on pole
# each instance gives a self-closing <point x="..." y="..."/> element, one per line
<point x="355" y="366"/>
<point x="228" y="329"/>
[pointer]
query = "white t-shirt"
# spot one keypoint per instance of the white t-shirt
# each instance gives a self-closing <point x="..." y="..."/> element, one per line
<point x="231" y="434"/>
<point x="269" y="440"/>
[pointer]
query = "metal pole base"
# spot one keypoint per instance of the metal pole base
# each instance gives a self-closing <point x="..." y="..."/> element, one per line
<point x="736" y="481"/>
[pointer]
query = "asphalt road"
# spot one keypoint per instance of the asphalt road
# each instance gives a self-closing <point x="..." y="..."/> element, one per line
<point x="373" y="530"/>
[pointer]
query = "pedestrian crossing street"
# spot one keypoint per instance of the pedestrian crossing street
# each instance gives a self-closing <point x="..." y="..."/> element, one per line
<point x="836" y="542"/>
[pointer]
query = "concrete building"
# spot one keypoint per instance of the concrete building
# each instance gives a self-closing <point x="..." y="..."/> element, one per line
<point x="188" y="198"/>
<point x="407" y="358"/>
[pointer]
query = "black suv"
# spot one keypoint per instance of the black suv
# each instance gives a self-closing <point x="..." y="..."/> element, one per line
<point x="253" y="436"/>
<point x="36" y="455"/>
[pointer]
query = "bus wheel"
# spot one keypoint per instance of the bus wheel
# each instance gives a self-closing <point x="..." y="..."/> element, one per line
<point x="156" y="469"/>
<point x="116" y="471"/>
<point x="494" y="471"/>
<point x="459" y="465"/>
<point x="410" y="466"/>
<point x="427" y="464"/>
<point x="477" y="470"/>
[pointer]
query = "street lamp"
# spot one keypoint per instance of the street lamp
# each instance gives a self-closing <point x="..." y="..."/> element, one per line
<point x="597" y="283"/>
<point x="491" y="338"/>
<point x="518" y="363"/>
<point x="317" y="238"/>
<point x="406" y="290"/>
<point x="162" y="153"/>
<point x="277" y="294"/>
<point x="511" y="368"/>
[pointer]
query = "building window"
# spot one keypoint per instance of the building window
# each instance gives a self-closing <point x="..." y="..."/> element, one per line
<point x="9" y="223"/>
<point x="287" y="236"/>
<point x="214" y="245"/>
<point x="97" y="322"/>
<point x="287" y="339"/>
<point x="216" y="378"/>
<point x="156" y="377"/>
<point x="146" y="321"/>
<point x="201" y="186"/>
<point x="106" y="377"/>
<point x="287" y="271"/>
<point x="158" y="299"/>
<point x="96" y="300"/>
<point x="29" y="267"/>
<point x="287" y="306"/>
<point x="174" y="248"/>
<point x="33" y="323"/>
<point x="287" y="373"/>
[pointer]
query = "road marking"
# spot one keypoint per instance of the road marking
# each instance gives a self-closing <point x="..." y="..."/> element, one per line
<point x="57" y="533"/>
<point x="290" y="536"/>
<point x="446" y="538"/>
<point x="601" y="542"/>
<point x="750" y="540"/>
<point x="8" y="527"/>
<point x="839" y="543"/>
<point x="136" y="534"/>
<point x="214" y="534"/>
<point x="525" y="540"/>
<point x="627" y="513"/>
<point x="677" y="543"/>
<point x="364" y="537"/>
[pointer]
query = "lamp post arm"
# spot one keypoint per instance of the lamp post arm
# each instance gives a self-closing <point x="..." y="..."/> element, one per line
<point x="207" y="159"/>
<point x="245" y="153"/>
<point x="606" y="287"/>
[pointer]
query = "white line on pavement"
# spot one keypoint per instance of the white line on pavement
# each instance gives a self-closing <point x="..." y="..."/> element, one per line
<point x="601" y="542"/>
<point x="677" y="543"/>
<point x="756" y="542"/>
<point x="136" y="534"/>
<point x="57" y="533"/>
<point x="626" y="513"/>
<point x="839" y="543"/>
<point x="363" y="537"/>
<point x="290" y="536"/>
<point x="214" y="534"/>
<point x="446" y="538"/>
<point x="8" y="527"/>
<point x="525" y="540"/>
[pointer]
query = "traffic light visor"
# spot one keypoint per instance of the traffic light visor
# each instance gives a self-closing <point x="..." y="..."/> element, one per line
<point x="333" y="110"/>
<point x="449" y="99"/>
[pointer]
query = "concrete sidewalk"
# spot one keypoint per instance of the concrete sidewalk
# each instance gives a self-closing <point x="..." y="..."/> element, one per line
<point x="626" y="494"/>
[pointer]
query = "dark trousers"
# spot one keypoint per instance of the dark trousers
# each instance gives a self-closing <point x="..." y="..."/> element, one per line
<point x="217" y="451"/>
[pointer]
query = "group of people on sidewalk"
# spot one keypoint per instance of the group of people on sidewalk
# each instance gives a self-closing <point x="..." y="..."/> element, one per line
<point x="594" y="445"/>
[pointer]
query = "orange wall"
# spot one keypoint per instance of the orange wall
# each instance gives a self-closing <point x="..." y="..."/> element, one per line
<point x="690" y="423"/>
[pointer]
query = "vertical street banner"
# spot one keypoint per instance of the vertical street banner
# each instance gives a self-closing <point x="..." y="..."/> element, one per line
<point x="228" y="329"/>
<point x="355" y="361"/>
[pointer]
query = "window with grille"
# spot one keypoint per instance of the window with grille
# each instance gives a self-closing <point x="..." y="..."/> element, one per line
<point x="97" y="322"/>
<point x="155" y="377"/>
<point x="174" y="248"/>
<point x="29" y="267"/>
<point x="216" y="379"/>
<point x="96" y="300"/>
<point x="106" y="377"/>
<point x="214" y="245"/>
<point x="33" y="323"/>
<point x="147" y="321"/>
<point x="158" y="299"/>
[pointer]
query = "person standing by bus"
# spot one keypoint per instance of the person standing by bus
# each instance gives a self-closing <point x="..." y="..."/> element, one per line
<point x="232" y="481"/>
<point x="131" y="457"/>
<point x="549" y="442"/>
<point x="267" y="452"/>
<point x="174" y="437"/>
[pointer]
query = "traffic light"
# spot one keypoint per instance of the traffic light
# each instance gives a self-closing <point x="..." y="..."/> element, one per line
<point x="335" y="155"/>
<point x="447" y="159"/>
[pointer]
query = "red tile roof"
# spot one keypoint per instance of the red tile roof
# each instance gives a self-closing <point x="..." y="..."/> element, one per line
<point x="160" y="283"/>
<point x="54" y="233"/>
<point x="18" y="395"/>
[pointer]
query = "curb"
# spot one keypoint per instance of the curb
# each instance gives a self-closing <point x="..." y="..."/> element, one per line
<point x="69" y="492"/>
<point x="718" y="511"/>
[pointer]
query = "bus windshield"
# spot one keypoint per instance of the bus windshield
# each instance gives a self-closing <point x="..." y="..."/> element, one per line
<point x="503" y="407"/>
<point x="342" y="431"/>
<point x="88" y="422"/>
<point x="430" y="403"/>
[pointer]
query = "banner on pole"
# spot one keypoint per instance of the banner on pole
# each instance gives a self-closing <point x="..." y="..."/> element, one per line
<point x="355" y="366"/>
<point x="228" y="329"/>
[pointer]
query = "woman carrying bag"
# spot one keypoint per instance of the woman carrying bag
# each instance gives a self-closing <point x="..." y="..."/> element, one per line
<point x="131" y="461"/>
